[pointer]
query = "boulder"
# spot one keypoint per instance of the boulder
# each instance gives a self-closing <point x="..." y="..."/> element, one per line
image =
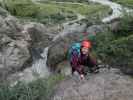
<point x="58" y="48"/>
<point x="115" y="26"/>
<point x="14" y="54"/>
<point x="39" y="34"/>
<point x="95" y="29"/>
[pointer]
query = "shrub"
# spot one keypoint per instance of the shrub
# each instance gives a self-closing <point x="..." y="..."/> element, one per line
<point x="21" y="7"/>
<point x="128" y="3"/>
<point x="116" y="48"/>
<point x="41" y="89"/>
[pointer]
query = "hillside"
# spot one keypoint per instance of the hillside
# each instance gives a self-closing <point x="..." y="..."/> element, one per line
<point x="35" y="36"/>
<point x="128" y="3"/>
<point x="53" y="12"/>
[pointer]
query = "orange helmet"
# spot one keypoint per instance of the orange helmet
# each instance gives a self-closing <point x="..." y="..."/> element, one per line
<point x="86" y="44"/>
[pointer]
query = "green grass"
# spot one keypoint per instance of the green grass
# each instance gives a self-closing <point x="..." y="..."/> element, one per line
<point x="80" y="1"/>
<point x="41" y="89"/>
<point x="85" y="9"/>
<point x="51" y="12"/>
<point x="128" y="3"/>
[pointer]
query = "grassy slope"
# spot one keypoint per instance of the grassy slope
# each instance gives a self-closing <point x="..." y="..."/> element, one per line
<point x="128" y="3"/>
<point x="53" y="12"/>
<point x="86" y="10"/>
<point x="83" y="1"/>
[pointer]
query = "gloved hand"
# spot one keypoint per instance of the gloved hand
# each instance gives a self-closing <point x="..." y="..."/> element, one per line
<point x="82" y="77"/>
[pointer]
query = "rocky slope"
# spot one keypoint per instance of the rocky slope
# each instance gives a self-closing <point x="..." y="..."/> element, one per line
<point x="26" y="48"/>
<point x="14" y="44"/>
<point x="109" y="84"/>
<point x="35" y="39"/>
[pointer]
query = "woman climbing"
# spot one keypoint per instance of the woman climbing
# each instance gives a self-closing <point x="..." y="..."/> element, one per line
<point x="81" y="57"/>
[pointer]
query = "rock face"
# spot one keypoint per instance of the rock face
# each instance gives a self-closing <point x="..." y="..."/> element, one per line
<point x="107" y="85"/>
<point x="96" y="29"/>
<point x="39" y="34"/>
<point x="17" y="41"/>
<point x="13" y="45"/>
<point x="13" y="53"/>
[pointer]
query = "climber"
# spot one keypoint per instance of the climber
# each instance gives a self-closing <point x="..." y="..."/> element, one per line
<point x="80" y="57"/>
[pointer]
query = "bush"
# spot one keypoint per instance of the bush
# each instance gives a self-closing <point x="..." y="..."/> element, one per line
<point x="41" y="89"/>
<point x="128" y="3"/>
<point x="21" y="7"/>
<point x="125" y="26"/>
<point x="116" y="48"/>
<point x="122" y="50"/>
<point x="102" y="43"/>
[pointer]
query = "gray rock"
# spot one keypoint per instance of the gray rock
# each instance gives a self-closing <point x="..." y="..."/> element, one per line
<point x="14" y="45"/>
<point x="115" y="26"/>
<point x="102" y="86"/>
<point x="70" y="28"/>
<point x="14" y="54"/>
<point x="17" y="41"/>
<point x="38" y="33"/>
<point x="96" y="29"/>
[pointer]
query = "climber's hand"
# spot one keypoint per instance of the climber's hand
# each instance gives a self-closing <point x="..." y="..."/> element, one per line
<point x="82" y="77"/>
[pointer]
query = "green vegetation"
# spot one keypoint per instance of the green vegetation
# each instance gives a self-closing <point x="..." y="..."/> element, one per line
<point x="85" y="9"/>
<point x="80" y="1"/>
<point x="128" y="3"/>
<point x="53" y="12"/>
<point x="21" y="8"/>
<point x="116" y="47"/>
<point x="41" y="89"/>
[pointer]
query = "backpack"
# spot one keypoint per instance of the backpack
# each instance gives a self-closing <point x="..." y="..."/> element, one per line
<point x="75" y="47"/>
